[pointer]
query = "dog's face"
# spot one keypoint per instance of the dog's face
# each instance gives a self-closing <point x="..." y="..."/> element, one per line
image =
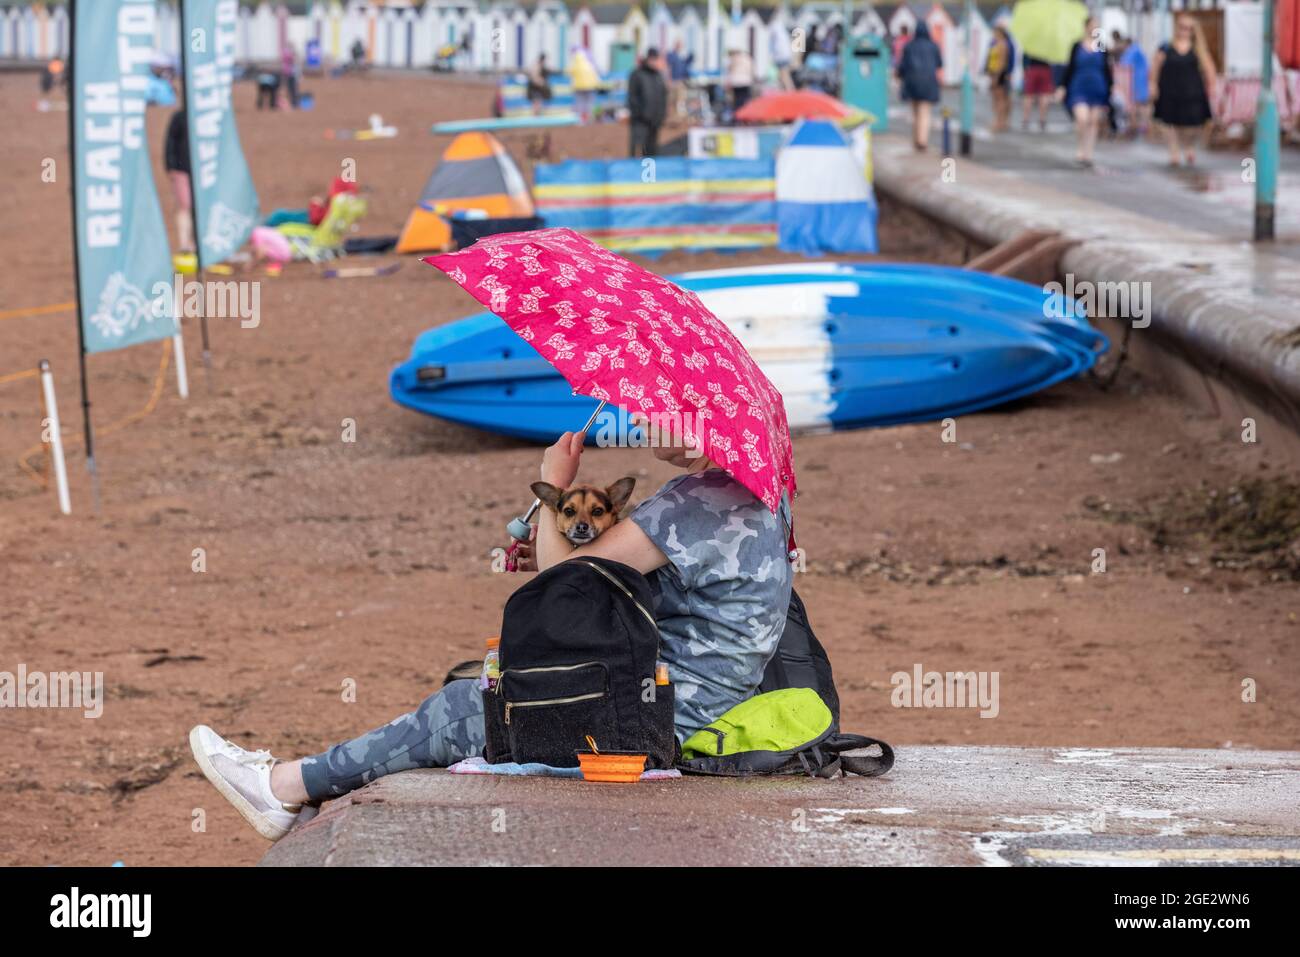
<point x="584" y="512"/>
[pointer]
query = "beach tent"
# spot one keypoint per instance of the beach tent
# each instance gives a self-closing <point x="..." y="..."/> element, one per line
<point x="824" y="202"/>
<point x="476" y="172"/>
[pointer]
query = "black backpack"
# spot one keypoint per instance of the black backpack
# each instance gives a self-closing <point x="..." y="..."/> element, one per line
<point x="578" y="652"/>
<point x="577" y="655"/>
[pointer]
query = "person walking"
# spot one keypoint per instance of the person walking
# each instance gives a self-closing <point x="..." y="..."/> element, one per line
<point x="176" y="160"/>
<point x="740" y="78"/>
<point x="585" y="80"/>
<point x="289" y="73"/>
<point x="998" y="66"/>
<point x="1036" y="90"/>
<point x="1136" y="89"/>
<point x="1085" y="88"/>
<point x="647" y="105"/>
<point x="679" y="75"/>
<point x="1183" y="80"/>
<point x="918" y="73"/>
<point x="539" y="85"/>
<point x="900" y="43"/>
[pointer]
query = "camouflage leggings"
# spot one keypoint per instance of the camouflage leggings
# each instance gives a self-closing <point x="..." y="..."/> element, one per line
<point x="447" y="727"/>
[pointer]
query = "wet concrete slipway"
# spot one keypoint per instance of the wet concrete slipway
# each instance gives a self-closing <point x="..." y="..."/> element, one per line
<point x="982" y="806"/>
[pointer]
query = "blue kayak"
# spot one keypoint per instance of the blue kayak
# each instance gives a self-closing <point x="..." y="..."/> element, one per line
<point x="849" y="346"/>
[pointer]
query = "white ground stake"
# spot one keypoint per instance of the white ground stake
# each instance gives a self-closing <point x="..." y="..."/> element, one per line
<point x="56" y="438"/>
<point x="178" y="349"/>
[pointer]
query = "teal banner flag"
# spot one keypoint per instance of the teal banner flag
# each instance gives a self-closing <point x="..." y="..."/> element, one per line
<point x="124" y="267"/>
<point x="225" y="203"/>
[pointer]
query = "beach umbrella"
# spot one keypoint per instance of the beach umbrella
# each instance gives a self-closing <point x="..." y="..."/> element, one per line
<point x="786" y="107"/>
<point x="1047" y="29"/>
<point x="623" y="335"/>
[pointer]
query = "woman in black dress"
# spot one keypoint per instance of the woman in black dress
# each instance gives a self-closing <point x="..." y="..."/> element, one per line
<point x="1183" y="78"/>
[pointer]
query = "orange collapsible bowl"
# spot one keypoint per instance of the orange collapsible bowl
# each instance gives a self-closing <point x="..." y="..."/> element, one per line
<point x="619" y="767"/>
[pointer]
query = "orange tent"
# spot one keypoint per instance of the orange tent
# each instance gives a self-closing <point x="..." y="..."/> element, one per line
<point x="476" y="173"/>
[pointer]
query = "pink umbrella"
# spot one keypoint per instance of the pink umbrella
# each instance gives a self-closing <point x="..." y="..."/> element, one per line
<point x="621" y="334"/>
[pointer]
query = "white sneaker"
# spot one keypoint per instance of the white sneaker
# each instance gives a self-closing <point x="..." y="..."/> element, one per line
<point x="244" y="779"/>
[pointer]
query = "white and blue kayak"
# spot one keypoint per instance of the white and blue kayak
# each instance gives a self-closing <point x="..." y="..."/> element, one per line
<point x="848" y="345"/>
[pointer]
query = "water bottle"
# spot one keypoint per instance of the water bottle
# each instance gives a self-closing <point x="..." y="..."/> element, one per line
<point x="491" y="665"/>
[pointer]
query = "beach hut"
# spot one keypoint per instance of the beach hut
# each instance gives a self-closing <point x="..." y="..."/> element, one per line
<point x="869" y="21"/>
<point x="597" y="27"/>
<point x="60" y="45"/>
<point x="352" y="27"/>
<point x="35" y="29"/>
<point x="813" y="20"/>
<point x="750" y="35"/>
<point x="479" y="36"/>
<point x="517" y="54"/>
<point x="635" y="29"/>
<point x="802" y="22"/>
<point x="166" y="29"/>
<point x="452" y="23"/>
<point x="8" y="24"/>
<point x="584" y="27"/>
<point x="690" y="28"/>
<point x="903" y="18"/>
<point x="318" y="16"/>
<point x="424" y="36"/>
<point x="488" y="39"/>
<point x="376" y="36"/>
<point x="397" y="24"/>
<point x="943" y="31"/>
<point x="981" y="38"/>
<point x="263" y="35"/>
<point x="548" y="33"/>
<point x="778" y="35"/>
<point x="663" y="29"/>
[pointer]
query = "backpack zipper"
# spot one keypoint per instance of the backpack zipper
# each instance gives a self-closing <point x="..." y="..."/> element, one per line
<point x="550" y="701"/>
<point x="529" y="671"/>
<point x="623" y="588"/>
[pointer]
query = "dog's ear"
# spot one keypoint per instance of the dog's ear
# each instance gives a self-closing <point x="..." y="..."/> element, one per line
<point x="548" y="493"/>
<point x="620" y="492"/>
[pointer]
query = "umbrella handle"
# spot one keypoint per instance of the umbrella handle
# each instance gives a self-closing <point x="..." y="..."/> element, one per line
<point x="520" y="529"/>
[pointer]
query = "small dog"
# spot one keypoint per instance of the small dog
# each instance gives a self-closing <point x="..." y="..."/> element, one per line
<point x="584" y="512"/>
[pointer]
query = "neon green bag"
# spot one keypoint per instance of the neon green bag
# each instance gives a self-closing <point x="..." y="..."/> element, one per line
<point x="789" y="731"/>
